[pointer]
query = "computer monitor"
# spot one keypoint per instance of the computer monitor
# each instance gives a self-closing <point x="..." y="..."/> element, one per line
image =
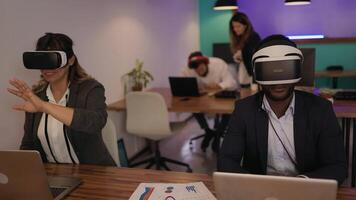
<point x="308" y="67"/>
<point x="223" y="51"/>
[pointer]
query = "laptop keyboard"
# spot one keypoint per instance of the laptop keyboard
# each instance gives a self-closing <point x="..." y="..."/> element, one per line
<point x="345" y="95"/>
<point x="56" y="191"/>
<point x="227" y="94"/>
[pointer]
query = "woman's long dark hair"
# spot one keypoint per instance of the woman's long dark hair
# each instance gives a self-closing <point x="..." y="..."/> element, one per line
<point x="238" y="42"/>
<point x="60" y="42"/>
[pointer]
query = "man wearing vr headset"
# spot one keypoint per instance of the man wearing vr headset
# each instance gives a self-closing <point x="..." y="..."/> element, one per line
<point x="212" y="74"/>
<point x="282" y="131"/>
<point x="66" y="110"/>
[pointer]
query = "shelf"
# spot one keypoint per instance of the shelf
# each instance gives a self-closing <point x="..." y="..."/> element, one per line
<point x="326" y="41"/>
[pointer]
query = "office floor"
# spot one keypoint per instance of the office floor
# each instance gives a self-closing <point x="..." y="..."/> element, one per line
<point x="178" y="148"/>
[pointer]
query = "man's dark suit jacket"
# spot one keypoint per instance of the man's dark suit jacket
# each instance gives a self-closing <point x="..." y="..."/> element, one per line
<point x="317" y="138"/>
<point x="87" y="98"/>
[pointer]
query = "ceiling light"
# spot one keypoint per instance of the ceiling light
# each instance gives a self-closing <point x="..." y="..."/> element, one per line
<point x="296" y="2"/>
<point x="225" y="5"/>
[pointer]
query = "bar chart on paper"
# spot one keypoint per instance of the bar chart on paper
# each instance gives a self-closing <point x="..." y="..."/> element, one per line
<point x="172" y="191"/>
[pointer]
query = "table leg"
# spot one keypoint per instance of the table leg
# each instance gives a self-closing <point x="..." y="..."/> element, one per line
<point x="347" y="139"/>
<point x="353" y="166"/>
<point x="334" y="80"/>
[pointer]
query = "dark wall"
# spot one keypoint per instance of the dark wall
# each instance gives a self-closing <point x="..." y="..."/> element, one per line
<point x="333" y="18"/>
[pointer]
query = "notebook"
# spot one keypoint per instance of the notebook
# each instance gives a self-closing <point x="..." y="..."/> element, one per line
<point x="22" y="176"/>
<point x="234" y="186"/>
<point x="185" y="87"/>
<point x="172" y="191"/>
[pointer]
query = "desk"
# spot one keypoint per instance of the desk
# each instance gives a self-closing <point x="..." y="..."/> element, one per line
<point x="335" y="75"/>
<point x="119" y="183"/>
<point x="203" y="104"/>
<point x="345" y="110"/>
<point x="111" y="183"/>
<point x="207" y="104"/>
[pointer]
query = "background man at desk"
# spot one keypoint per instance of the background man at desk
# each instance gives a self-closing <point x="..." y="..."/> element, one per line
<point x="212" y="74"/>
<point x="280" y="131"/>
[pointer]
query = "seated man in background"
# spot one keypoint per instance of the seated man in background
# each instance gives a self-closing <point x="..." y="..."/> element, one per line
<point x="212" y="74"/>
<point x="282" y="131"/>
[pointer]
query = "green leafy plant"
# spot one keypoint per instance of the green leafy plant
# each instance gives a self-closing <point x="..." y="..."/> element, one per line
<point x="139" y="76"/>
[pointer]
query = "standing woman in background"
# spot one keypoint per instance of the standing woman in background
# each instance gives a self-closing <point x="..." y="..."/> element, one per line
<point x="65" y="111"/>
<point x="243" y="41"/>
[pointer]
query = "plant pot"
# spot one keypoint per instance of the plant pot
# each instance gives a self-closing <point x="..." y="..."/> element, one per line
<point x="137" y="87"/>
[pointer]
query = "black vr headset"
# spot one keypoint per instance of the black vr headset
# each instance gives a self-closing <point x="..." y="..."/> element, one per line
<point x="277" y="62"/>
<point x="44" y="59"/>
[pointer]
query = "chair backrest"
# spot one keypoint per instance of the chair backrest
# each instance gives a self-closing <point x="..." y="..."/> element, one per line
<point x="110" y="140"/>
<point x="147" y="115"/>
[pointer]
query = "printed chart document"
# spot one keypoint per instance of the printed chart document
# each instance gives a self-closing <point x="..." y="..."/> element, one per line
<point x="172" y="191"/>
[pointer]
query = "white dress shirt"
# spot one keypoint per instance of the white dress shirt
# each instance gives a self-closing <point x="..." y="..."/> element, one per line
<point x="218" y="74"/>
<point x="244" y="77"/>
<point x="56" y="135"/>
<point x="278" y="161"/>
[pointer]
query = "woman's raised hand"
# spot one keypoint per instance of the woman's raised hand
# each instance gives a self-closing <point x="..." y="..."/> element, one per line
<point x="32" y="102"/>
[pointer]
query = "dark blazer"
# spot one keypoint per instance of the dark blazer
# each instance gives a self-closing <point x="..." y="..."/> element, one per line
<point x="248" y="50"/>
<point x="88" y="100"/>
<point x="317" y="138"/>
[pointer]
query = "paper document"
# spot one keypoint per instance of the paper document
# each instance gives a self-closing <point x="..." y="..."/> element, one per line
<point x="172" y="191"/>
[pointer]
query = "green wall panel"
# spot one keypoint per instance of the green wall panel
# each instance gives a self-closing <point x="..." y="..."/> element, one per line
<point x="335" y="54"/>
<point x="214" y="26"/>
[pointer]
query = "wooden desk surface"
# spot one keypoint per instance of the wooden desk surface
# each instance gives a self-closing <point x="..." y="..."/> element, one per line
<point x="205" y="104"/>
<point x="344" y="73"/>
<point x="111" y="183"/>
<point x="209" y="104"/>
<point x="345" y="109"/>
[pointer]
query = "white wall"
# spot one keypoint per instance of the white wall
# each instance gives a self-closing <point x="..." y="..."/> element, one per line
<point x="108" y="34"/>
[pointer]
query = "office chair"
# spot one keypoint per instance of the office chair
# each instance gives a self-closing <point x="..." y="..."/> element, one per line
<point x="216" y="124"/>
<point x="110" y="140"/>
<point x="147" y="117"/>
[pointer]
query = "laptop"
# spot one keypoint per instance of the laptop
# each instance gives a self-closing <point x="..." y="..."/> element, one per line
<point x="185" y="87"/>
<point x="234" y="186"/>
<point x="23" y="176"/>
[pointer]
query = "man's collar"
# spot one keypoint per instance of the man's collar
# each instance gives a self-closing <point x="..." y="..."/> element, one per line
<point x="265" y="105"/>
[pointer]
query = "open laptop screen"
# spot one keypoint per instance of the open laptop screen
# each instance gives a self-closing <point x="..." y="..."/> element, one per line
<point x="184" y="86"/>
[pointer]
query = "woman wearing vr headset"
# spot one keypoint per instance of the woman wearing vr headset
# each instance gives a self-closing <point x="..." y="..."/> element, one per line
<point x="243" y="40"/>
<point x="282" y="131"/>
<point x="66" y="110"/>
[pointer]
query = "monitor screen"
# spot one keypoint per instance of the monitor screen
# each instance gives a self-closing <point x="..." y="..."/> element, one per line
<point x="308" y="67"/>
<point x="223" y="51"/>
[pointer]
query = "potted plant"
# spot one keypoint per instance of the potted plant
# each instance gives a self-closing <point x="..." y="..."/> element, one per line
<point x="138" y="77"/>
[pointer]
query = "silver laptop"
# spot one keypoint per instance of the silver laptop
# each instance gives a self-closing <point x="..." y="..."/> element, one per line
<point x="234" y="186"/>
<point x="22" y="176"/>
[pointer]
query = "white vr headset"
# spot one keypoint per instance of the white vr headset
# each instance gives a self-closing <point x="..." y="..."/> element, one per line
<point x="44" y="59"/>
<point x="277" y="64"/>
